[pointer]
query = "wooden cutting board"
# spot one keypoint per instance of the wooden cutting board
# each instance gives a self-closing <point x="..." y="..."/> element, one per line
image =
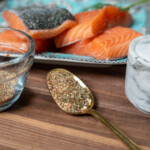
<point x="36" y="123"/>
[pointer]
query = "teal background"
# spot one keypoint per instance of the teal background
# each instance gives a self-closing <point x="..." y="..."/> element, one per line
<point x="75" y="6"/>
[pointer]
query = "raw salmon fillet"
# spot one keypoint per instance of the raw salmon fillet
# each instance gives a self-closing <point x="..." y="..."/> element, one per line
<point x="93" y="22"/>
<point x="12" y="41"/>
<point x="111" y="44"/>
<point x="44" y="45"/>
<point x="40" y="22"/>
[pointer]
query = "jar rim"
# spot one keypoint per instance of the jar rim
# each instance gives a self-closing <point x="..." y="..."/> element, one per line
<point x="135" y="42"/>
<point x="133" y="57"/>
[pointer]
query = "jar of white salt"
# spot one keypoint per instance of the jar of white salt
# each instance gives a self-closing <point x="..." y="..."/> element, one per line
<point x="137" y="83"/>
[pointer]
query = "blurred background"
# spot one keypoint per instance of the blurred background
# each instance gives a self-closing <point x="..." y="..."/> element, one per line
<point x="75" y="6"/>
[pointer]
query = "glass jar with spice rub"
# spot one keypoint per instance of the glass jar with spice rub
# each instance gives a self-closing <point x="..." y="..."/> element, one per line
<point x="16" y="58"/>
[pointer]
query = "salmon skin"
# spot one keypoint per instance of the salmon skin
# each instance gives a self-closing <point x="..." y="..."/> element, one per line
<point x="91" y="23"/>
<point x="40" y="22"/>
<point x="111" y="44"/>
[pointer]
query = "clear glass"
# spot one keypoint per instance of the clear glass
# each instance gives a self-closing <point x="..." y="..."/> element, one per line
<point x="14" y="71"/>
<point x="137" y="83"/>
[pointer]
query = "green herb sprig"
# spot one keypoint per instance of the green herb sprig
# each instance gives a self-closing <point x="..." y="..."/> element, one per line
<point x="101" y="5"/>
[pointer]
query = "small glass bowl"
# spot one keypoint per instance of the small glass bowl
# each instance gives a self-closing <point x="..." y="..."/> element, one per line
<point x="14" y="71"/>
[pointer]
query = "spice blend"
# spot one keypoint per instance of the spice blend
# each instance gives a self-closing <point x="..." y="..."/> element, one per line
<point x="68" y="93"/>
<point x="7" y="89"/>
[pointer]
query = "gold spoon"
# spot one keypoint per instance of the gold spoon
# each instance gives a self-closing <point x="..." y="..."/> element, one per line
<point x="74" y="97"/>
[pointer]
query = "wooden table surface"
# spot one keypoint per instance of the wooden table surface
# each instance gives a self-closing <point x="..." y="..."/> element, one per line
<point x="36" y="123"/>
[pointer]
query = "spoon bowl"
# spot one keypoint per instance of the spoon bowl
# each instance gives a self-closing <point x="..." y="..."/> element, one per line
<point x="74" y="97"/>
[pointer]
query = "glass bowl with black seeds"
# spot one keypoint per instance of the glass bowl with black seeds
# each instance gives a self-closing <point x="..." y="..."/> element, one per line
<point x="14" y="70"/>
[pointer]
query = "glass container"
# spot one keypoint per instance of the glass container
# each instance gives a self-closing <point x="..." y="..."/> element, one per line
<point x="137" y="83"/>
<point x="14" y="71"/>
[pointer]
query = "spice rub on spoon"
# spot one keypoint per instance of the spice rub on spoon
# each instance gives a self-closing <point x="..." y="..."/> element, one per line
<point x="74" y="97"/>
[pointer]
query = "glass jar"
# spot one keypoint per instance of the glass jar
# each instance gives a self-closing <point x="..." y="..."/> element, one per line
<point x="137" y="83"/>
<point x="14" y="67"/>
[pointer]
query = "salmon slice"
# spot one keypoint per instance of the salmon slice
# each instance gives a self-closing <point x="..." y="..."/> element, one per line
<point x="40" y="22"/>
<point x="93" y="22"/>
<point x="111" y="44"/>
<point x="12" y="41"/>
<point x="44" y="45"/>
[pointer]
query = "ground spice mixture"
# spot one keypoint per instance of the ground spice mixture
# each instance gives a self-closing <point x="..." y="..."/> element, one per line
<point x="68" y="93"/>
<point x="7" y="89"/>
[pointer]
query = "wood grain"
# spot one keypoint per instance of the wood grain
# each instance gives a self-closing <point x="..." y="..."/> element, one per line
<point x="36" y="123"/>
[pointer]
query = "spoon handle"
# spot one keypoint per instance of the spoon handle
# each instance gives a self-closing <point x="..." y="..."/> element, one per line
<point x="127" y="141"/>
